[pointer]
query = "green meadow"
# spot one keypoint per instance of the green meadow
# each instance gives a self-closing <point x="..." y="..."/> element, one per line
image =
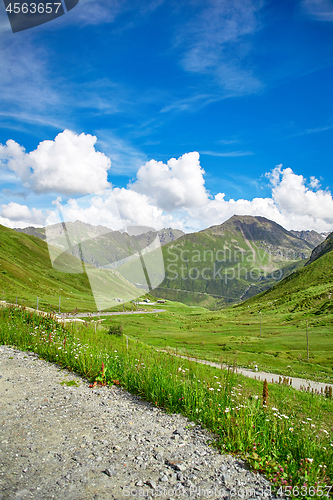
<point x="235" y="338"/>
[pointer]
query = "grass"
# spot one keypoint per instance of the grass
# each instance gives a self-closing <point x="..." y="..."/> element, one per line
<point x="234" y="335"/>
<point x="26" y="273"/>
<point x="289" y="439"/>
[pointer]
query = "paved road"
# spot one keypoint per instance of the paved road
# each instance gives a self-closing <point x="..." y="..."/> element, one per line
<point x="297" y="383"/>
<point x="93" y="315"/>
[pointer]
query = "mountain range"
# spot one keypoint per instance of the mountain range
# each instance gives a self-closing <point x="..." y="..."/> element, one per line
<point x="233" y="261"/>
<point x="221" y="265"/>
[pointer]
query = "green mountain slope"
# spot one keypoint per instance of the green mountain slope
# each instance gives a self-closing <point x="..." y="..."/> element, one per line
<point x="322" y="249"/>
<point x="308" y="291"/>
<point x="230" y="262"/>
<point x="26" y="272"/>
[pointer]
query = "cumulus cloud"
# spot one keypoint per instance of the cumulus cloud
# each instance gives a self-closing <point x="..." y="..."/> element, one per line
<point x="115" y="209"/>
<point x="16" y="215"/>
<point x="177" y="184"/>
<point x="172" y="194"/>
<point x="293" y="204"/>
<point x="69" y="164"/>
<point x="292" y="196"/>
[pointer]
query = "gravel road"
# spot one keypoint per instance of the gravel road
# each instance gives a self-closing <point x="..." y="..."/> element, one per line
<point x="76" y="443"/>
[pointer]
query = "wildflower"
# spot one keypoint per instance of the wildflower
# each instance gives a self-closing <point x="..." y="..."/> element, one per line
<point x="275" y="409"/>
<point x="226" y="410"/>
<point x="308" y="418"/>
<point x="325" y="431"/>
<point x="291" y="429"/>
<point x="211" y="388"/>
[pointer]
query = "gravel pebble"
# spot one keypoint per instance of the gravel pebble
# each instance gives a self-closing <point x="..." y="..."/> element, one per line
<point x="76" y="443"/>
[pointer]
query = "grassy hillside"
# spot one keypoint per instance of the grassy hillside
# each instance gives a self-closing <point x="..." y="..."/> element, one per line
<point x="322" y="249"/>
<point x="26" y="272"/>
<point x="230" y="262"/>
<point x="268" y="330"/>
<point x="306" y="293"/>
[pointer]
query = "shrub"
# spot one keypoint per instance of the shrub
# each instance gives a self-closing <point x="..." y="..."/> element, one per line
<point x="116" y="330"/>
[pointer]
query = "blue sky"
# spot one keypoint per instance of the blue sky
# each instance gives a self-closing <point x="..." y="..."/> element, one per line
<point x="188" y="111"/>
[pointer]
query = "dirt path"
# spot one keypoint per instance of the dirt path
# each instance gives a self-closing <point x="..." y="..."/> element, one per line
<point x="62" y="440"/>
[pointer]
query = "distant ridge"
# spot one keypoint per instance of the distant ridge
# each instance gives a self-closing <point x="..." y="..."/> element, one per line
<point x="166" y="234"/>
<point x="311" y="237"/>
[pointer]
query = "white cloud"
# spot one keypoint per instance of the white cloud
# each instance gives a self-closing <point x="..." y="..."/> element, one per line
<point x="16" y="215"/>
<point x="21" y="61"/>
<point x="175" y="185"/>
<point x="230" y="154"/>
<point x="217" y="42"/>
<point x="115" y="209"/>
<point x="293" y="197"/>
<point x="320" y="10"/>
<point x="174" y="194"/>
<point x="69" y="164"/>
<point x="292" y="204"/>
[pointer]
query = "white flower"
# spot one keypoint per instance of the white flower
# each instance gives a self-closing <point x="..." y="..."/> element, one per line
<point x="275" y="409"/>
